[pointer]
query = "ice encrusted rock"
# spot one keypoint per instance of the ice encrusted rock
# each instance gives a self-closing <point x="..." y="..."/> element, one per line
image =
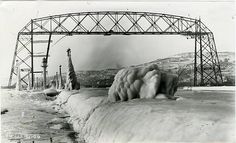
<point x="142" y="82"/>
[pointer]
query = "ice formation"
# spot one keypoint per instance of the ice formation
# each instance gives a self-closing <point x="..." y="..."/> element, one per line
<point x="18" y="80"/>
<point x="61" y="84"/>
<point x="52" y="90"/>
<point x="142" y="82"/>
<point x="71" y="80"/>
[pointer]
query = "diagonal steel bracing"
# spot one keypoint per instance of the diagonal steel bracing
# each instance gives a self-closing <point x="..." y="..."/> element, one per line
<point x="206" y="63"/>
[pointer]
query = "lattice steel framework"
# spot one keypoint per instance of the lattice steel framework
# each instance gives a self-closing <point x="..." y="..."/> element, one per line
<point x="206" y="63"/>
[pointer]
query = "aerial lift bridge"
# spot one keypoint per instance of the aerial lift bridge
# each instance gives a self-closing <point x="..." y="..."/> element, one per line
<point x="206" y="70"/>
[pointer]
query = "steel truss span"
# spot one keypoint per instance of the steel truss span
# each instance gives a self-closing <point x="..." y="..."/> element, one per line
<point x="206" y="62"/>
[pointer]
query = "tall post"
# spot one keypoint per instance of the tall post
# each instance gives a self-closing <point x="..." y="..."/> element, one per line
<point x="195" y="55"/>
<point x="18" y="79"/>
<point x="44" y="65"/>
<point x="56" y="79"/>
<point x="37" y="83"/>
<point x="201" y="61"/>
<point x="32" y="54"/>
<point x="61" y="85"/>
<point x="29" y="82"/>
<point x="48" y="48"/>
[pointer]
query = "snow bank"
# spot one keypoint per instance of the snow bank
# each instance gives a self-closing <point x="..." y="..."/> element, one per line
<point x="145" y="120"/>
<point x="136" y="121"/>
<point x="79" y="106"/>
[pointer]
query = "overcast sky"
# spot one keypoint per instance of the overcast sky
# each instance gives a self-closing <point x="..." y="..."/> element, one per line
<point x="99" y="52"/>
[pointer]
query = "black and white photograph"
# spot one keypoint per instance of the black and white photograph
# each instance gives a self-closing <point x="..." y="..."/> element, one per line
<point x="117" y="71"/>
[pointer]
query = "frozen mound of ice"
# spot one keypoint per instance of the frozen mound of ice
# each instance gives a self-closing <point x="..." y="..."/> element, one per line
<point x="79" y="106"/>
<point x="132" y="122"/>
<point x="97" y="120"/>
<point x="145" y="120"/>
<point x="142" y="82"/>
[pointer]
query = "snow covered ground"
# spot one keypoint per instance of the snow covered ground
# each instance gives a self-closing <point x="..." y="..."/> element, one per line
<point x="199" y="116"/>
<point x="30" y="117"/>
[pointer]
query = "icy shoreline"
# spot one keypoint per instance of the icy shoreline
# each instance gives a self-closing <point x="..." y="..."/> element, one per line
<point x="150" y="120"/>
<point x="218" y="88"/>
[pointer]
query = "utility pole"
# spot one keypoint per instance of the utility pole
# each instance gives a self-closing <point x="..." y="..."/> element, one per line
<point x="18" y="80"/>
<point x="195" y="55"/>
<point x="44" y="65"/>
<point x="61" y="84"/>
<point x="56" y="79"/>
<point x="201" y="55"/>
<point x="32" y="54"/>
<point x="29" y="82"/>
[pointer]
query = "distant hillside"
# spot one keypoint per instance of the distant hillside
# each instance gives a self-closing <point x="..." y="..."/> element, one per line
<point x="178" y="63"/>
<point x="227" y="61"/>
<point x="184" y="63"/>
<point x="101" y="78"/>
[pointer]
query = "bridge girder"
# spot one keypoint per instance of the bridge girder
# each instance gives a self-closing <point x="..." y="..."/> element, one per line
<point x="206" y="63"/>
